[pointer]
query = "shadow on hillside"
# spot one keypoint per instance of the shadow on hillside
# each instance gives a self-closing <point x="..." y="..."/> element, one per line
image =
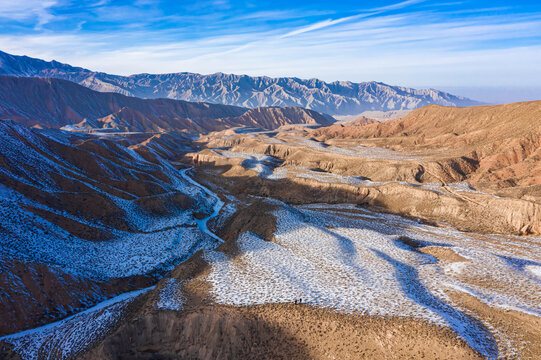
<point x="212" y="332"/>
<point x="467" y="327"/>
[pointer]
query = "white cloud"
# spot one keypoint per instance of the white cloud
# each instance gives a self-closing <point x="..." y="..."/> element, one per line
<point x="399" y="5"/>
<point x="280" y="15"/>
<point x="411" y="49"/>
<point x="100" y="3"/>
<point x="319" y="25"/>
<point x="38" y="10"/>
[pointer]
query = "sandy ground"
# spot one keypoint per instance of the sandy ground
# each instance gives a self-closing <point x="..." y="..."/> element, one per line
<point x="279" y="331"/>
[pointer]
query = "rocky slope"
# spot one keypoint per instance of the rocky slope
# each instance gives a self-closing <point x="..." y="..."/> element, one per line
<point x="502" y="142"/>
<point x="140" y="241"/>
<point x="298" y="174"/>
<point x="113" y="227"/>
<point x="239" y="300"/>
<point x="335" y="98"/>
<point x="56" y="103"/>
<point x="275" y="117"/>
<point x="84" y="218"/>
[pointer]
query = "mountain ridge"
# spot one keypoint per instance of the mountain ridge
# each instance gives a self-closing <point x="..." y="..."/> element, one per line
<point x="55" y="103"/>
<point x="504" y="153"/>
<point x="334" y="98"/>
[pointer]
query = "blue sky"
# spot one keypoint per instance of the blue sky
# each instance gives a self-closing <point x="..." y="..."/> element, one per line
<point x="490" y="50"/>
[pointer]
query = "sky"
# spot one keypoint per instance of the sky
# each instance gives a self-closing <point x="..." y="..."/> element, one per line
<point x="489" y="50"/>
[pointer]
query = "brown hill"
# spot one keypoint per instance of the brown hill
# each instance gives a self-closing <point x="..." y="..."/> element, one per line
<point x="55" y="103"/>
<point x="478" y="125"/>
<point x="363" y="120"/>
<point x="274" y="117"/>
<point x="503" y="140"/>
<point x="341" y="129"/>
<point x="61" y="191"/>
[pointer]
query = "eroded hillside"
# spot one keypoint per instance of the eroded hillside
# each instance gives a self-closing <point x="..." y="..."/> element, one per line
<point x="358" y="241"/>
<point x="90" y="217"/>
<point x="503" y="142"/>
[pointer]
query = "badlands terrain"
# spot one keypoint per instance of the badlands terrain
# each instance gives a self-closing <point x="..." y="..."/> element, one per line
<point x="163" y="229"/>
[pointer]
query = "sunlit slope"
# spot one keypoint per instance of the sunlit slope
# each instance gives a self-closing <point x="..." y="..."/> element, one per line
<point x="503" y="141"/>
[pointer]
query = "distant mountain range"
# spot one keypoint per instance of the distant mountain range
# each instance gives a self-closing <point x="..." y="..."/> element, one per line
<point x="335" y="98"/>
<point x="56" y="103"/>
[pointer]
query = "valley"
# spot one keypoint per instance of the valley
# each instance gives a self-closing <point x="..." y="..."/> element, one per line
<point x="270" y="180"/>
<point x="154" y="227"/>
<point x="289" y="242"/>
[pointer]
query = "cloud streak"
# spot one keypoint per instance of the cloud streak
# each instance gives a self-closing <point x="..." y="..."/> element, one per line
<point x="37" y="10"/>
<point x="399" y="5"/>
<point x="406" y="43"/>
<point x="320" y="25"/>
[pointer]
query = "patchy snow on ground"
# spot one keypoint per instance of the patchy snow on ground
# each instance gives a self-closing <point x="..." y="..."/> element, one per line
<point x="211" y="198"/>
<point x="360" y="151"/>
<point x="446" y="189"/>
<point x="171" y="297"/>
<point x="154" y="245"/>
<point x="71" y="336"/>
<point x="225" y="214"/>
<point x="328" y="177"/>
<point x="534" y="269"/>
<point x="157" y="243"/>
<point x="355" y="261"/>
<point x="164" y="242"/>
<point x="31" y="238"/>
<point x="264" y="165"/>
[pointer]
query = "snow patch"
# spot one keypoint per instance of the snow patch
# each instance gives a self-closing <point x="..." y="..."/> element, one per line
<point x="171" y="297"/>
<point x="71" y="336"/>
<point x="352" y="260"/>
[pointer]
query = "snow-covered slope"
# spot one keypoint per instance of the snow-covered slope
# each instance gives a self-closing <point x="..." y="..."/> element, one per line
<point x="356" y="261"/>
<point x="335" y="98"/>
<point x="67" y="338"/>
<point x="78" y="212"/>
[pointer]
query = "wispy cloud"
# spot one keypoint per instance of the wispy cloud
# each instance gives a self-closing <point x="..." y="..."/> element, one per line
<point x="100" y="3"/>
<point x="281" y="15"/>
<point x="410" y="43"/>
<point x="399" y="5"/>
<point x="37" y="10"/>
<point x="320" y="25"/>
<point x="364" y="14"/>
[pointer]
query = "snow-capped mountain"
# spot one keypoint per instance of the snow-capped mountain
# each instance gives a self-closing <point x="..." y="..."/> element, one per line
<point x="335" y="98"/>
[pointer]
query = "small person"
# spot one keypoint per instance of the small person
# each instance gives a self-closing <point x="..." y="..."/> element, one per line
<point x="295" y="301"/>
<point x="300" y="301"/>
